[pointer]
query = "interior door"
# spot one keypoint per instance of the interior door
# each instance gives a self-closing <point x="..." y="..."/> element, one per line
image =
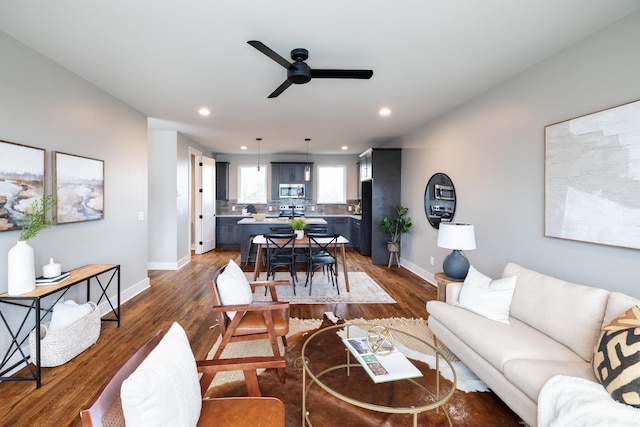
<point x="205" y="205"/>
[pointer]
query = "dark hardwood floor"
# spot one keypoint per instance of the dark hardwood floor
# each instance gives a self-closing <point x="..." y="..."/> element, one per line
<point x="180" y="296"/>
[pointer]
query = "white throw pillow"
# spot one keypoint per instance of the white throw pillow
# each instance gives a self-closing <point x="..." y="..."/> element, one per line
<point x="233" y="287"/>
<point x="66" y="312"/>
<point x="486" y="297"/>
<point x="164" y="390"/>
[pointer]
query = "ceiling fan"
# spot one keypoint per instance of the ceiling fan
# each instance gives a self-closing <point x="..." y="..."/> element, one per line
<point x="299" y="72"/>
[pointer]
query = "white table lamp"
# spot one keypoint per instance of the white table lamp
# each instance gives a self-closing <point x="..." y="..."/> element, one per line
<point x="459" y="237"/>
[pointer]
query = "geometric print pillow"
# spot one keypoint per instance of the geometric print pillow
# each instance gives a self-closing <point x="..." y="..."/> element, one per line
<point x="616" y="358"/>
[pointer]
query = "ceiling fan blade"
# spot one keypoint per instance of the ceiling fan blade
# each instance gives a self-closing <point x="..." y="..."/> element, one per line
<point x="341" y="74"/>
<point x="270" y="53"/>
<point x="280" y="89"/>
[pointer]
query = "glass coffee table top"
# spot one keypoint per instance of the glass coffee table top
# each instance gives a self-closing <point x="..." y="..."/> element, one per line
<point x="327" y="364"/>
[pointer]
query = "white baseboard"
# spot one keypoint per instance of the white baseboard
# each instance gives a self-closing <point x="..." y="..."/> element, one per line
<point x="151" y="265"/>
<point x="419" y="271"/>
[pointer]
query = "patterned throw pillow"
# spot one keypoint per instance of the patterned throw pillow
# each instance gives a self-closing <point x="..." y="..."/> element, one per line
<point x="616" y="359"/>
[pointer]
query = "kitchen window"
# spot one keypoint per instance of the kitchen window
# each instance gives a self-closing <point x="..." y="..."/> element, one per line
<point x="252" y="184"/>
<point x="332" y="184"/>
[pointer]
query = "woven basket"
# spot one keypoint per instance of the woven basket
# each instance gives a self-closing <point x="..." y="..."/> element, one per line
<point x="58" y="347"/>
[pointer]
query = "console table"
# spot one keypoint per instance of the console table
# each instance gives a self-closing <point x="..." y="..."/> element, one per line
<point x="32" y="303"/>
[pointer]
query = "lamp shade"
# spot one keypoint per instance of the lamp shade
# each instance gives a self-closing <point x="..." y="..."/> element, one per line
<point x="457" y="236"/>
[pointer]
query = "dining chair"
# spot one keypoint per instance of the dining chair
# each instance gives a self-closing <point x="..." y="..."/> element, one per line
<point x="158" y="384"/>
<point x="241" y="319"/>
<point x="323" y="250"/>
<point x="280" y="253"/>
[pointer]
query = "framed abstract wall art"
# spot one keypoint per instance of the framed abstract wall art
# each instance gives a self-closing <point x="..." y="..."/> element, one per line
<point x="592" y="177"/>
<point x="79" y="185"/>
<point x="22" y="171"/>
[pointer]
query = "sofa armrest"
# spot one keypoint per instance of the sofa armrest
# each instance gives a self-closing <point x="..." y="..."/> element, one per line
<point x="453" y="292"/>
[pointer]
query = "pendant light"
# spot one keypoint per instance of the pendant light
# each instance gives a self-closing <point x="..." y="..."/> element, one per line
<point x="258" y="139"/>
<point x="307" y="168"/>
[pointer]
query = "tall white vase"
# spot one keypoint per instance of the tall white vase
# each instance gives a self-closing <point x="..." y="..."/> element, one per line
<point x="21" y="268"/>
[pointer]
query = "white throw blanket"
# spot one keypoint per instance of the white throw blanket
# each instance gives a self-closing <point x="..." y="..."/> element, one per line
<point x="570" y="401"/>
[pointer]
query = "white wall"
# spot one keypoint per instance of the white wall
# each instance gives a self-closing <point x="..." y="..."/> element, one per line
<point x="43" y="105"/>
<point x="493" y="150"/>
<point x="169" y="199"/>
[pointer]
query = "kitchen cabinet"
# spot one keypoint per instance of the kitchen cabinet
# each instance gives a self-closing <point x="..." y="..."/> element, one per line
<point x="228" y="231"/>
<point x="380" y="196"/>
<point x="340" y="225"/>
<point x="290" y="173"/>
<point x="222" y="180"/>
<point x="356" y="230"/>
<point x="366" y="170"/>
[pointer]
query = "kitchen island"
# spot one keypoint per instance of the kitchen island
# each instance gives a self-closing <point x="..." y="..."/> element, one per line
<point x="251" y="228"/>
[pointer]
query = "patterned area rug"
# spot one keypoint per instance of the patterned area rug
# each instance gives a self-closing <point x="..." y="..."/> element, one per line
<point x="465" y="408"/>
<point x="363" y="290"/>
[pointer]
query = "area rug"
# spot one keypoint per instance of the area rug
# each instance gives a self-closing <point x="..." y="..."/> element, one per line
<point x="465" y="408"/>
<point x="363" y="290"/>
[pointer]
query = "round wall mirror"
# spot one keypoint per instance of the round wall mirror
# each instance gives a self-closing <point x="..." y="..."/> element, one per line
<point x="439" y="200"/>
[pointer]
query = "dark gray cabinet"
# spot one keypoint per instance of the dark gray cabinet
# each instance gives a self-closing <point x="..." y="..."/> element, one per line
<point x="340" y="225"/>
<point x="290" y="173"/>
<point x="228" y="231"/>
<point x="356" y="230"/>
<point x="222" y="180"/>
<point x="380" y="196"/>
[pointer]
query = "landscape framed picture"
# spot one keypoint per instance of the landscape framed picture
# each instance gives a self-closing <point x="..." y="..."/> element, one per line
<point x="592" y="177"/>
<point x="22" y="171"/>
<point x="79" y="186"/>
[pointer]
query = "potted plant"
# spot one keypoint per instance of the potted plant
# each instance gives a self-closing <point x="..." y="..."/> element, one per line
<point x="20" y="265"/>
<point x="396" y="226"/>
<point x="298" y="225"/>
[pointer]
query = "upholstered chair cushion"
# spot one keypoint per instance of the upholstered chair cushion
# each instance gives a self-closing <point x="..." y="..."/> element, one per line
<point x="616" y="359"/>
<point x="165" y="388"/>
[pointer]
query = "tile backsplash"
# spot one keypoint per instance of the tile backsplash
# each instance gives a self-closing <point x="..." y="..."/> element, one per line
<point x="225" y="207"/>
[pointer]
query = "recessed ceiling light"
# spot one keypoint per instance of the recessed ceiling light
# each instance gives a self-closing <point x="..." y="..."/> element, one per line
<point x="204" y="112"/>
<point x="244" y="147"/>
<point x="384" y="112"/>
<point x="344" y="147"/>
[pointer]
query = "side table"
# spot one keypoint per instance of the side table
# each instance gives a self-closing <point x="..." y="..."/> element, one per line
<point x="443" y="280"/>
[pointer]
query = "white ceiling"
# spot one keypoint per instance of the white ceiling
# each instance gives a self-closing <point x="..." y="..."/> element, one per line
<point x="168" y="58"/>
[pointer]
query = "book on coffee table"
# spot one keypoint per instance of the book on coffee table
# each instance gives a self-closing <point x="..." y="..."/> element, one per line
<point x="47" y="281"/>
<point x="392" y="365"/>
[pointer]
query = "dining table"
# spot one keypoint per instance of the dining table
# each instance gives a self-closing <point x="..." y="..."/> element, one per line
<point x="260" y="241"/>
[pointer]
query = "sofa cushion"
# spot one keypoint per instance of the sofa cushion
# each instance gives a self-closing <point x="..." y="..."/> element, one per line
<point x="530" y="375"/>
<point x="617" y="304"/>
<point x="616" y="362"/>
<point x="497" y="342"/>
<point x="569" y="313"/>
<point x="165" y="388"/>
<point x="486" y="297"/>
<point x="234" y="287"/>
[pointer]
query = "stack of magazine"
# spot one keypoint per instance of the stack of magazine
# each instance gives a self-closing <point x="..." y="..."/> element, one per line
<point x="391" y="365"/>
<point x="48" y="281"/>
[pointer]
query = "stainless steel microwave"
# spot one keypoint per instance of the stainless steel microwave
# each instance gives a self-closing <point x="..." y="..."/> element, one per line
<point x="292" y="191"/>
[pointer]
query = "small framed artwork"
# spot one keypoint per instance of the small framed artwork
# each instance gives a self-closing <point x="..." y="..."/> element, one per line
<point x="79" y="185"/>
<point x="21" y="181"/>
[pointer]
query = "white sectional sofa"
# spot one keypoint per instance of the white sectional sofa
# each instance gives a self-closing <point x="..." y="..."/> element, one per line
<point x="552" y="329"/>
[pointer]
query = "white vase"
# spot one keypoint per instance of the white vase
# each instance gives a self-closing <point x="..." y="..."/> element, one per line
<point x="299" y="234"/>
<point x="21" y="269"/>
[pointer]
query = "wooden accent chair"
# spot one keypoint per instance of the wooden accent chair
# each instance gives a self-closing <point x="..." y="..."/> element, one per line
<point x="241" y="319"/>
<point x="106" y="407"/>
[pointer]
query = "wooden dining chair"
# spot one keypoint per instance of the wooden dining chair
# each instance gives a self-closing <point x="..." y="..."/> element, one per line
<point x="133" y="391"/>
<point x="241" y="319"/>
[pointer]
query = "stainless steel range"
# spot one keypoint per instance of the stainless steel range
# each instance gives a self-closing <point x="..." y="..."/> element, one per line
<point x="291" y="210"/>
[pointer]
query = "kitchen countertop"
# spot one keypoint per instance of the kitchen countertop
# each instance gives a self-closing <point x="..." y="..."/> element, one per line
<point x="279" y="220"/>
<point x="306" y="216"/>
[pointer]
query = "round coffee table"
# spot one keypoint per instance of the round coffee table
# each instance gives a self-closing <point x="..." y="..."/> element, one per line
<point x="327" y="363"/>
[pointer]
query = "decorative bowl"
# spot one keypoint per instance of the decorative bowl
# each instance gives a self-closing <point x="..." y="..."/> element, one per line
<point x="259" y="216"/>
